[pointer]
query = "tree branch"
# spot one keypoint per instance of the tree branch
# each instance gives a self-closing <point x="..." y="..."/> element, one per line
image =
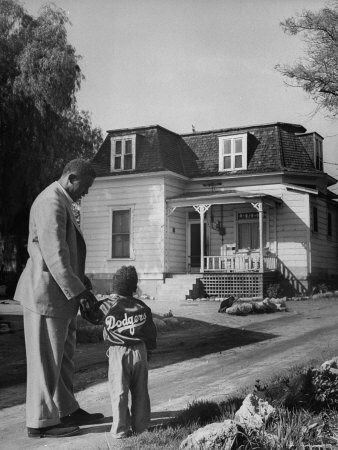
<point x="325" y="91"/>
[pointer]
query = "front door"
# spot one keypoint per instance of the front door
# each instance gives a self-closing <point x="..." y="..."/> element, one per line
<point x="195" y="245"/>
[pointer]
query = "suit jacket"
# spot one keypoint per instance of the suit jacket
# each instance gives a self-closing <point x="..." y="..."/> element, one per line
<point x="54" y="273"/>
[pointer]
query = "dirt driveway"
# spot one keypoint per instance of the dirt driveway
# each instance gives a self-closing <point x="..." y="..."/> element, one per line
<point x="211" y="356"/>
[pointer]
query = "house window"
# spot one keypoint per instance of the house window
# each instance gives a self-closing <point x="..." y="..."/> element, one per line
<point x="315" y="219"/>
<point x="123" y="153"/>
<point x="120" y="242"/>
<point x="329" y="224"/>
<point x="318" y="157"/>
<point x="248" y="230"/>
<point x="233" y="152"/>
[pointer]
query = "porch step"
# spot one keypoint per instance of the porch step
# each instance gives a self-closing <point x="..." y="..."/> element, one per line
<point x="177" y="287"/>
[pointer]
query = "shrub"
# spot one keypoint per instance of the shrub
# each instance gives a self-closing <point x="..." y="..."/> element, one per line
<point x="274" y="291"/>
<point x="325" y="384"/>
<point x="320" y="288"/>
<point x="292" y="392"/>
<point x="310" y="389"/>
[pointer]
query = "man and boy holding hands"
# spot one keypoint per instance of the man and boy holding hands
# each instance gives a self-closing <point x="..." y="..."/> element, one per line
<point x="51" y="289"/>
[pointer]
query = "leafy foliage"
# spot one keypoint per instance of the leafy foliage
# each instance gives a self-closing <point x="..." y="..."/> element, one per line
<point x="41" y="127"/>
<point x="274" y="290"/>
<point x="316" y="73"/>
<point x="325" y="385"/>
<point x="321" y="288"/>
<point x="311" y="389"/>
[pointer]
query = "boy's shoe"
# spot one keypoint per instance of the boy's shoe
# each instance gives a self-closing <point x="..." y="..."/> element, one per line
<point x="81" y="417"/>
<point x="54" y="431"/>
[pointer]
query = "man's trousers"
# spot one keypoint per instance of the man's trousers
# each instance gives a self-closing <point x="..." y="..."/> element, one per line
<point x="50" y="347"/>
<point x="128" y="371"/>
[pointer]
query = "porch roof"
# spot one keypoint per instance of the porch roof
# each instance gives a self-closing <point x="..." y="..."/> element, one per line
<point x="224" y="198"/>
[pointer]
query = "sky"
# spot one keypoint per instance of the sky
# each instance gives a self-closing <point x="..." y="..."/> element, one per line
<point x="182" y="63"/>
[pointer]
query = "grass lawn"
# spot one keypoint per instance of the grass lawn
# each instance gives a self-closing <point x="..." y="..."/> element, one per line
<point x="305" y="414"/>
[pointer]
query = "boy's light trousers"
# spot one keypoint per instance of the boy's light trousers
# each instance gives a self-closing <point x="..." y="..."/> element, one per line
<point x="128" y="371"/>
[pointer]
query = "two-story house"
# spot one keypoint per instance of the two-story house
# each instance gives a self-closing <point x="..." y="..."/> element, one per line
<point x="239" y="208"/>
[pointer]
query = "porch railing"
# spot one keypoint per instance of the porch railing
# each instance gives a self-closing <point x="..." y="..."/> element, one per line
<point x="239" y="263"/>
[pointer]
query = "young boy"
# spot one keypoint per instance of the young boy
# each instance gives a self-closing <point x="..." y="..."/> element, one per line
<point x="131" y="334"/>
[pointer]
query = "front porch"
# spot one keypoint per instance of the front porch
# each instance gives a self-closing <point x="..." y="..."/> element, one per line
<point x="230" y="231"/>
<point x="230" y="239"/>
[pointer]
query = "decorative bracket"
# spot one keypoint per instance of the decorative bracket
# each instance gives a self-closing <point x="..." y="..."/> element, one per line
<point x="201" y="209"/>
<point x="258" y="206"/>
<point x="170" y="210"/>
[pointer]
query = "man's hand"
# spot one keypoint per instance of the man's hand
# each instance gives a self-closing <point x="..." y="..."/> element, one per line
<point x="87" y="301"/>
<point x="90" y="308"/>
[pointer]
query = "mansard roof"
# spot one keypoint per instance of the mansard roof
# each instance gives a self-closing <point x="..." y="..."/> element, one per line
<point x="273" y="147"/>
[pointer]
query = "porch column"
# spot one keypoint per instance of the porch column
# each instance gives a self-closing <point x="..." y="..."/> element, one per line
<point x="201" y="209"/>
<point x="166" y="262"/>
<point x="259" y="207"/>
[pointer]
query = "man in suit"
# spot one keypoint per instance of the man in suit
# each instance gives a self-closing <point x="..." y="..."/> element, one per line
<point x="51" y="288"/>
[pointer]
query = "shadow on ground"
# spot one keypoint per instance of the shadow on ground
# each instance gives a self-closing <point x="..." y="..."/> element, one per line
<point x="192" y="339"/>
<point x="158" y="419"/>
<point x="201" y="339"/>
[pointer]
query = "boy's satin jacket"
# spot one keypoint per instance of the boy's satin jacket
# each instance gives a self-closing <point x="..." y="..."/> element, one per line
<point x="128" y="321"/>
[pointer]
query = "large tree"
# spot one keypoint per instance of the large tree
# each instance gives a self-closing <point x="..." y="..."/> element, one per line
<point x="40" y="125"/>
<point x="317" y="71"/>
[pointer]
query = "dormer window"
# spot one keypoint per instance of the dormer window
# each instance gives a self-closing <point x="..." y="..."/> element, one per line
<point x="318" y="156"/>
<point x="233" y="152"/>
<point x="123" y="153"/>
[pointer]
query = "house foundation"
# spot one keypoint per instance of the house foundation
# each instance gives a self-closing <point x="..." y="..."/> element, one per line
<point x="242" y="285"/>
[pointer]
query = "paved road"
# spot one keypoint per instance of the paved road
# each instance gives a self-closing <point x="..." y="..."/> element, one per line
<point x="212" y="360"/>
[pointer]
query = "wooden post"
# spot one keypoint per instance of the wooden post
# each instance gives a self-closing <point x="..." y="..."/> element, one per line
<point x="261" y="258"/>
<point x="201" y="209"/>
<point x="259" y="207"/>
<point x="202" y="241"/>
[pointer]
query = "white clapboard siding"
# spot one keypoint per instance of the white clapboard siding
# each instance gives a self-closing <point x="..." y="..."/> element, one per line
<point x="292" y="232"/>
<point x="324" y="247"/>
<point x="145" y="197"/>
<point x="175" y="255"/>
<point x="159" y="240"/>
